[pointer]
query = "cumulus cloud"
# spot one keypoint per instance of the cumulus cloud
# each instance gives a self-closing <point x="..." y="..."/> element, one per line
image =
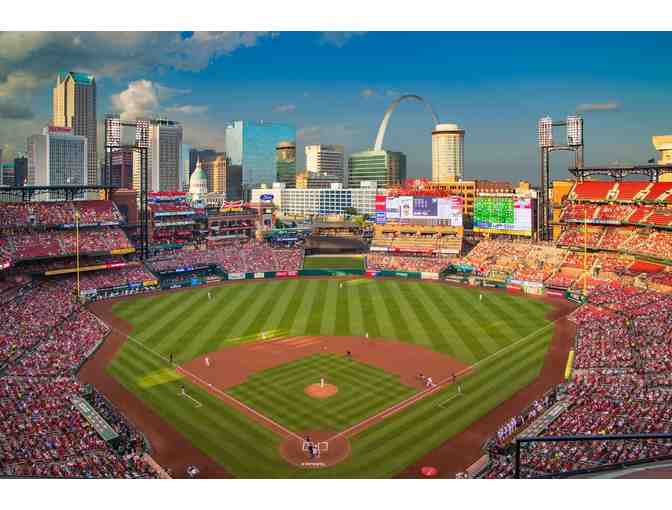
<point x="140" y="98"/>
<point x="187" y="109"/>
<point x="597" y="107"/>
<point x="367" y="93"/>
<point x="285" y="108"/>
<point x="338" y="39"/>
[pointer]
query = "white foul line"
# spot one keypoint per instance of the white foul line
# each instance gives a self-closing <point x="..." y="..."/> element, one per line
<point x="198" y="404"/>
<point x="419" y="396"/>
<point x="216" y="390"/>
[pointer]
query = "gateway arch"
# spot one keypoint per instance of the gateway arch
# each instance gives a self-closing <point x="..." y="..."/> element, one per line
<point x="386" y="119"/>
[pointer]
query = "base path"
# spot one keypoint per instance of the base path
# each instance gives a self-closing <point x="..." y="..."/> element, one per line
<point x="169" y="448"/>
<point x="463" y="449"/>
<point x="231" y="366"/>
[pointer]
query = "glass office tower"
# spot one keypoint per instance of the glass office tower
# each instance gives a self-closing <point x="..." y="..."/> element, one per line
<point x="385" y="168"/>
<point x="252" y="145"/>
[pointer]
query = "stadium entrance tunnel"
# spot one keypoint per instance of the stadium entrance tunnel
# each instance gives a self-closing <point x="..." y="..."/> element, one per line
<point x="315" y="449"/>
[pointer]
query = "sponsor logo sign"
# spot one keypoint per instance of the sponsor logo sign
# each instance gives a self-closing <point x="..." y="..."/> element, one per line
<point x="259" y="275"/>
<point x="236" y="276"/>
<point x="266" y="197"/>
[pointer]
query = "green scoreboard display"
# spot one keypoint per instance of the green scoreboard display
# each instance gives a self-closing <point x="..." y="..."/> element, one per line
<point x="510" y="215"/>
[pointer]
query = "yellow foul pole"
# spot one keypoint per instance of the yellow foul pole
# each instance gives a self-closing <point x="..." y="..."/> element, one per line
<point x="585" y="251"/>
<point x="77" y="234"/>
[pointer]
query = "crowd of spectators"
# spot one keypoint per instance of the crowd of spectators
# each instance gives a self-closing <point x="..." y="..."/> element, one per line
<point x="26" y="214"/>
<point x="622" y="384"/>
<point x="377" y="261"/>
<point x="107" y="278"/>
<point x="235" y="257"/>
<point x="25" y="243"/>
<point x="45" y="335"/>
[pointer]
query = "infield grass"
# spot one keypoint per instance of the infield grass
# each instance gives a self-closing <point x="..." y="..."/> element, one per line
<point x="507" y="337"/>
<point x="363" y="390"/>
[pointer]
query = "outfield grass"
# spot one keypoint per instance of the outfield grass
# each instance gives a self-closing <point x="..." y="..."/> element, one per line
<point x="363" y="390"/>
<point x="351" y="262"/>
<point x="506" y="335"/>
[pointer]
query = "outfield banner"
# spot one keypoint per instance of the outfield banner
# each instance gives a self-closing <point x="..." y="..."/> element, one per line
<point x="456" y="279"/>
<point x="514" y="288"/>
<point x="150" y="283"/>
<point x="537" y="291"/>
<point x="235" y="276"/>
<point x="554" y="293"/>
<point x="429" y="276"/>
<point x="371" y="274"/>
<point x="328" y="272"/>
<point x="280" y="274"/>
<point x="259" y="275"/>
<point x="292" y="273"/>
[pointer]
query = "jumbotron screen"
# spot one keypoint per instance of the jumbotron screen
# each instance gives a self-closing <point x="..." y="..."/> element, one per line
<point x="409" y="209"/>
<point x="503" y="215"/>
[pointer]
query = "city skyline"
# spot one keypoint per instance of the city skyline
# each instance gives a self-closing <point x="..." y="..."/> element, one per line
<point x="496" y="87"/>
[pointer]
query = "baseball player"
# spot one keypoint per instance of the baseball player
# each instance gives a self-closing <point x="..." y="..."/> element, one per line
<point x="207" y="361"/>
<point x="209" y="296"/>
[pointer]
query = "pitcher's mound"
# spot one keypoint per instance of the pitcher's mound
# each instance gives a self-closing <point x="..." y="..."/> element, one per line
<point x="318" y="391"/>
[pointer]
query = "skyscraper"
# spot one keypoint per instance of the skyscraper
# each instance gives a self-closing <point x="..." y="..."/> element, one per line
<point x="325" y="162"/>
<point x="447" y="153"/>
<point x="285" y="163"/>
<point x="252" y="145"/>
<point x="163" y="139"/>
<point x="57" y="157"/>
<point x="74" y="106"/>
<point x="384" y="167"/>
<point x="185" y="171"/>
<point x="20" y="170"/>
<point x="121" y="165"/>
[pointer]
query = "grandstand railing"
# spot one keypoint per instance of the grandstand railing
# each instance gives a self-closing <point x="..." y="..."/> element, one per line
<point x="579" y="438"/>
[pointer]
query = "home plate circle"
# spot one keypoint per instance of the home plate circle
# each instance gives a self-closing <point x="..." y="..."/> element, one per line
<point x="429" y="471"/>
<point x="315" y="449"/>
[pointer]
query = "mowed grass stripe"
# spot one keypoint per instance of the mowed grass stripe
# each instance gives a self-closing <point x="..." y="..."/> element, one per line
<point x="267" y="302"/>
<point x="422" y="419"/>
<point x="399" y="439"/>
<point x="308" y="302"/>
<point x="342" y="312"/>
<point x="413" y="296"/>
<point x="394" y="312"/>
<point x="453" y="339"/>
<point x="328" y="322"/>
<point x="318" y="309"/>
<point x="384" y="320"/>
<point x="368" y="311"/>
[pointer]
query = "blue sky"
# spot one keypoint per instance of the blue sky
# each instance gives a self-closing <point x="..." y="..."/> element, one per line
<point x="335" y="87"/>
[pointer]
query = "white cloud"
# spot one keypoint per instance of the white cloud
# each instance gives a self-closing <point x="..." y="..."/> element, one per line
<point x="338" y="39"/>
<point x="140" y="98"/>
<point x="596" y="107"/>
<point x="285" y="108"/>
<point x="187" y="109"/>
<point x="367" y="93"/>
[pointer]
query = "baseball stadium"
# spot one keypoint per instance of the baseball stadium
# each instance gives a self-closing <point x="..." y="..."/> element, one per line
<point x="490" y="334"/>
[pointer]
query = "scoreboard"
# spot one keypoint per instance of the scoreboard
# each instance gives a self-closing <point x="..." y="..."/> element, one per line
<point x="510" y="215"/>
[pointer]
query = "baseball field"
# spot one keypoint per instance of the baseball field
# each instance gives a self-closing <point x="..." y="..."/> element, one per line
<point x="265" y="363"/>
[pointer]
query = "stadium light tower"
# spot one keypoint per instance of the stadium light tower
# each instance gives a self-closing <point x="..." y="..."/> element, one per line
<point x="574" y="143"/>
